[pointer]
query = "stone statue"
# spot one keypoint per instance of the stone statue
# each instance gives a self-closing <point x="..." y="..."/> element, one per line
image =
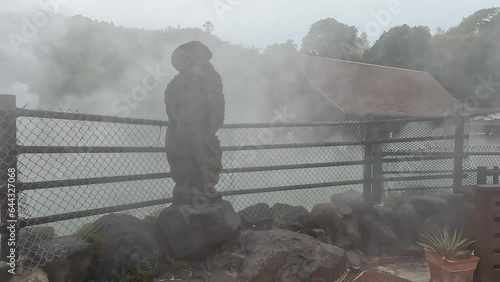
<point x="195" y="107"/>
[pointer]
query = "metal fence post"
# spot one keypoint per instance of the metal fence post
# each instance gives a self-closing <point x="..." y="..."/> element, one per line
<point x="367" y="167"/>
<point x="458" y="160"/>
<point x="495" y="174"/>
<point x="8" y="160"/>
<point x="482" y="175"/>
<point x="377" y="167"/>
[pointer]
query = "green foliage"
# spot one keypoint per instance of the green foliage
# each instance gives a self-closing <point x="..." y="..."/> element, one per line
<point x="85" y="229"/>
<point x="402" y="46"/>
<point x="480" y="21"/>
<point x="178" y="264"/>
<point x="208" y="27"/>
<point x="331" y="39"/>
<point x="96" y="240"/>
<point x="450" y="246"/>
<point x="467" y="55"/>
<point x="461" y="59"/>
<point x="226" y="247"/>
<point x="88" y="233"/>
<point x="141" y="275"/>
<point x="284" y="48"/>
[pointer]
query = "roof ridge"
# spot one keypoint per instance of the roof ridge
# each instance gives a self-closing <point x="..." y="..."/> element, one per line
<point x="361" y="63"/>
<point x="445" y="90"/>
<point x="321" y="92"/>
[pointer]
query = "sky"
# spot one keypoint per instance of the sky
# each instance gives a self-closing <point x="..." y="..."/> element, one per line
<point x="261" y="22"/>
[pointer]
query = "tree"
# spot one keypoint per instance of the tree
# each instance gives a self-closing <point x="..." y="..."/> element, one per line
<point x="481" y="21"/>
<point x="440" y="31"/>
<point x="332" y="39"/>
<point x="402" y="46"/>
<point x="363" y="42"/>
<point x="208" y="27"/>
<point x="467" y="59"/>
<point x="288" y="47"/>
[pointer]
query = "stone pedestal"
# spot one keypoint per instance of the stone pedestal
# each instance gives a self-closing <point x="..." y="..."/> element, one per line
<point x="193" y="233"/>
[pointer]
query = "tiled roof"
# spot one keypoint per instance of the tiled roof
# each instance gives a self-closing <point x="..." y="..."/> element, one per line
<point x="364" y="89"/>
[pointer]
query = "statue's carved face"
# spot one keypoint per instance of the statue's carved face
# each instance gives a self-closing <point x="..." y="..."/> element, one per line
<point x="189" y="58"/>
<point x="195" y="71"/>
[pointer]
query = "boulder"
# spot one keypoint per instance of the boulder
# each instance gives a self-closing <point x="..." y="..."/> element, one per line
<point x="216" y="276"/>
<point x="73" y="260"/>
<point x="384" y="213"/>
<point x="354" y="259"/>
<point x="460" y="213"/>
<point x="426" y="205"/>
<point x="377" y="228"/>
<point x="226" y="261"/>
<point x="35" y="275"/>
<point x="406" y="222"/>
<point x="294" y="218"/>
<point x="126" y="246"/>
<point x="417" y="214"/>
<point x="4" y="271"/>
<point x="378" y="235"/>
<point x="338" y="222"/>
<point x="64" y="258"/>
<point x="353" y="199"/>
<point x="256" y="217"/>
<point x="285" y="256"/>
<point x="193" y="234"/>
<point x="36" y="234"/>
<point x="221" y="276"/>
<point x="33" y="244"/>
<point x="320" y="235"/>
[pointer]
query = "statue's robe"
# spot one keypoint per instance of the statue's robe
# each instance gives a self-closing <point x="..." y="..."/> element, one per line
<point x="195" y="109"/>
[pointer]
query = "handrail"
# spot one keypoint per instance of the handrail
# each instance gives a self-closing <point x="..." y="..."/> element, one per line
<point x="153" y="122"/>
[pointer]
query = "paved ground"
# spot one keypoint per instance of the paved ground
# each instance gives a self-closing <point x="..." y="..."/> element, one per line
<point x="377" y="276"/>
<point x="391" y="269"/>
<point x="412" y="271"/>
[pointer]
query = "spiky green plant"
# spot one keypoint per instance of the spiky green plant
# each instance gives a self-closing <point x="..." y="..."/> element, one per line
<point x="450" y="246"/>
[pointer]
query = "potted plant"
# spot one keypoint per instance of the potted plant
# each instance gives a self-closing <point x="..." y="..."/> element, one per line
<point x="449" y="257"/>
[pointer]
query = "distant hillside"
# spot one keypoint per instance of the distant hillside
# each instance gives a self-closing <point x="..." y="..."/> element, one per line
<point x="91" y="65"/>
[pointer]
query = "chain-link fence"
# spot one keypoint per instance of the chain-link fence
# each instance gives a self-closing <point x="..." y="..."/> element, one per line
<point x="484" y="148"/>
<point x="73" y="168"/>
<point x="428" y="159"/>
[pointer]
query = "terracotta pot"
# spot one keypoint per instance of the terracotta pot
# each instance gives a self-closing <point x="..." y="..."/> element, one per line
<point x="443" y="270"/>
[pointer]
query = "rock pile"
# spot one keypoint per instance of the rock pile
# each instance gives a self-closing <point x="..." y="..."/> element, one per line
<point x="259" y="243"/>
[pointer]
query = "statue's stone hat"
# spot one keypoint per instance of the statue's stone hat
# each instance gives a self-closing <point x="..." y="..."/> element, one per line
<point x="189" y="54"/>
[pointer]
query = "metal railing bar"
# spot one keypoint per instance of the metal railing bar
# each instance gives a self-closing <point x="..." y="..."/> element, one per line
<point x="420" y="177"/>
<point x="114" y="119"/>
<point x="138" y="177"/>
<point x="88" y="117"/>
<point x="103" y="149"/>
<point x="105" y="210"/>
<point x="484" y="153"/>
<point x="91" y="212"/>
<point x="423" y="158"/>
